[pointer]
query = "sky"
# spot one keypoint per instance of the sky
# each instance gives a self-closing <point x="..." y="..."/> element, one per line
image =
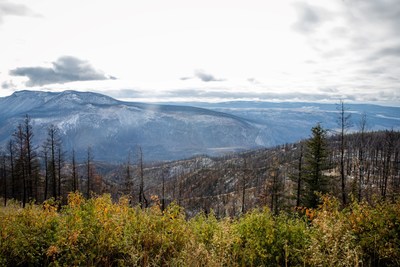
<point x="209" y="50"/>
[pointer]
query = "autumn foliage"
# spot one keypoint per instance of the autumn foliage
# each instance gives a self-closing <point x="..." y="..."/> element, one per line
<point x="100" y="232"/>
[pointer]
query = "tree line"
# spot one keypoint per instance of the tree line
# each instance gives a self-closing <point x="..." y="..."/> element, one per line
<point x="362" y="165"/>
<point x="36" y="173"/>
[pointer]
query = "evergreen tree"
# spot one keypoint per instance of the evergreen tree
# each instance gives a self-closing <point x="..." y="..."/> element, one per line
<point x="315" y="163"/>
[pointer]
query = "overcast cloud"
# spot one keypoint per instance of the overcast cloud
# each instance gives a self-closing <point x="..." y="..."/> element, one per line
<point x="309" y="17"/>
<point x="11" y="9"/>
<point x="311" y="50"/>
<point x="206" y="77"/>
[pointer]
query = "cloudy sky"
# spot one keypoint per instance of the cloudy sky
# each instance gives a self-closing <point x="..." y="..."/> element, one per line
<point x="209" y="50"/>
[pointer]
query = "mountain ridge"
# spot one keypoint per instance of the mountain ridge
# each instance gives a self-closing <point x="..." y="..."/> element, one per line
<point x="171" y="131"/>
<point x="109" y="125"/>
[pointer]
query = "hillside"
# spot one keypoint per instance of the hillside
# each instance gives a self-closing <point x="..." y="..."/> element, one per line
<point x="269" y="176"/>
<point x="133" y="147"/>
<point x="113" y="128"/>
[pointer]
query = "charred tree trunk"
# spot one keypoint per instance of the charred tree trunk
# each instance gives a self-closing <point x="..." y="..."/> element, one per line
<point x="10" y="147"/>
<point x="46" y="173"/>
<point x="142" y="198"/>
<point x="299" y="177"/>
<point x="88" y="171"/>
<point x="74" y="173"/>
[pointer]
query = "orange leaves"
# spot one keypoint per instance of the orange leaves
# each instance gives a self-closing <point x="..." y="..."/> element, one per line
<point x="310" y="213"/>
<point x="52" y="252"/>
<point x="75" y="200"/>
<point x="99" y="232"/>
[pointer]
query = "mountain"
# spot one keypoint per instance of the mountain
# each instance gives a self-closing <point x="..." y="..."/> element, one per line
<point x="288" y="122"/>
<point x="113" y="128"/>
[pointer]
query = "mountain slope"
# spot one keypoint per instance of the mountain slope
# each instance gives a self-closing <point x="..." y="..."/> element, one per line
<point x="166" y="132"/>
<point x="288" y="122"/>
<point x="113" y="128"/>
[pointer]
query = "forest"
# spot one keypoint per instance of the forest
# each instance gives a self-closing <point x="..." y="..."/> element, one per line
<point x="330" y="200"/>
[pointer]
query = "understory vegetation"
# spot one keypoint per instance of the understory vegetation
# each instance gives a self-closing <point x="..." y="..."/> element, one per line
<point x="100" y="232"/>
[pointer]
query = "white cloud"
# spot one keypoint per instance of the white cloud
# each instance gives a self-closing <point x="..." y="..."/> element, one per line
<point x="330" y="48"/>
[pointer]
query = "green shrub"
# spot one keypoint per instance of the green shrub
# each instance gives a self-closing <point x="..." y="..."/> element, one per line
<point x="27" y="233"/>
<point x="332" y="242"/>
<point x="98" y="232"/>
<point x="377" y="230"/>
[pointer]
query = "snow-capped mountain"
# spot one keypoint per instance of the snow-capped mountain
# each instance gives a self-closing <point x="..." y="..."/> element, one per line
<point x="112" y="128"/>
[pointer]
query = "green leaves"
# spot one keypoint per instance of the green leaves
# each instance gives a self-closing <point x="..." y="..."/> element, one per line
<point x="100" y="232"/>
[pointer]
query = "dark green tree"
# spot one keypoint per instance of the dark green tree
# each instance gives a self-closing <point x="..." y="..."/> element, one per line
<point x="315" y="163"/>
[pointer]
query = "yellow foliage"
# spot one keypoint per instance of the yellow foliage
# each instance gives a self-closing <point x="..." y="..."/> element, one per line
<point x="99" y="232"/>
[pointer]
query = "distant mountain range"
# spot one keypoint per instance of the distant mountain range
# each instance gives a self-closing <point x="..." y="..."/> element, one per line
<point x="113" y="128"/>
<point x="167" y="132"/>
<point x="287" y="122"/>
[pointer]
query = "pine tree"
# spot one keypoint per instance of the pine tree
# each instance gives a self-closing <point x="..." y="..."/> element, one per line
<point x="315" y="162"/>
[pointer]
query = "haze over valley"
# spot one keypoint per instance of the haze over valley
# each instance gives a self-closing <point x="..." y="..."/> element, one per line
<point x="113" y="128"/>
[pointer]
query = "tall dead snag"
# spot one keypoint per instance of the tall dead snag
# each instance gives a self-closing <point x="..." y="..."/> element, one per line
<point x="10" y="148"/>
<point x="344" y="124"/>
<point x="4" y="177"/>
<point x="45" y="155"/>
<point x="387" y="160"/>
<point x="142" y="198"/>
<point x="244" y="180"/>
<point x="20" y="167"/>
<point x="362" y="129"/>
<point x="128" y="190"/>
<point x="299" y="177"/>
<point x="75" y="183"/>
<point x="163" y="189"/>
<point x="89" y="160"/>
<point x="32" y="175"/>
<point x="51" y="147"/>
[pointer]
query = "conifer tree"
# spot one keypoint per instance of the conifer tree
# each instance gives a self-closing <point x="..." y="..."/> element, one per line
<point x="315" y="163"/>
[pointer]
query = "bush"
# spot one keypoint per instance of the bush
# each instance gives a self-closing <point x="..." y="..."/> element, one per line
<point x="27" y="233"/>
<point x="332" y="242"/>
<point x="377" y="231"/>
<point x="98" y="232"/>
